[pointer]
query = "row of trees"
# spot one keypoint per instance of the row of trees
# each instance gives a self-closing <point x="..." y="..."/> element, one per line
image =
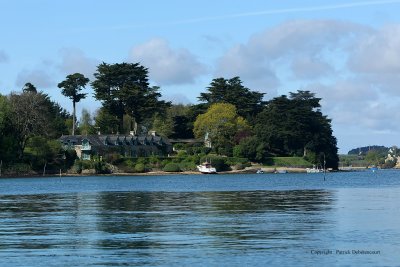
<point x="238" y="121"/>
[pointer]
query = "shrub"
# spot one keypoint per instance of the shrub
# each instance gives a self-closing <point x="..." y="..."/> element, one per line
<point x="187" y="166"/>
<point x="140" y="167"/>
<point x="100" y="167"/>
<point x="78" y="166"/>
<point x="18" y="168"/>
<point x="87" y="164"/>
<point x="113" y="158"/>
<point x="239" y="166"/>
<point x="179" y="146"/>
<point x="172" y="167"/>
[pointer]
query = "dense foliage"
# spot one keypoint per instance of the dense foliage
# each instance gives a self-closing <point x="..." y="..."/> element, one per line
<point x="295" y="126"/>
<point x="220" y="124"/>
<point x="238" y="125"/>
<point x="248" y="103"/>
<point x="124" y="89"/>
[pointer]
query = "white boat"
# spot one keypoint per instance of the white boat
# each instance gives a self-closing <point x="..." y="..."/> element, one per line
<point x="260" y="171"/>
<point x="206" y="168"/>
<point x="313" y="170"/>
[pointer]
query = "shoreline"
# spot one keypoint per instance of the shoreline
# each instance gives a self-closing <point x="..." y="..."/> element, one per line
<point x="249" y="170"/>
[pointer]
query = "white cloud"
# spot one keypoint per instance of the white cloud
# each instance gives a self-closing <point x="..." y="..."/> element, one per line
<point x="377" y="52"/>
<point x="353" y="68"/>
<point x="299" y="48"/>
<point x="3" y="57"/>
<point x="166" y="65"/>
<point x="75" y="61"/>
<point x="304" y="67"/>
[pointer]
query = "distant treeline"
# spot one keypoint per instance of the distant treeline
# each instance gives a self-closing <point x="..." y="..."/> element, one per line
<point x="364" y="150"/>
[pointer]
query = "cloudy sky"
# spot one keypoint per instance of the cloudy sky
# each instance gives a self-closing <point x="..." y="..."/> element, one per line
<point x="346" y="51"/>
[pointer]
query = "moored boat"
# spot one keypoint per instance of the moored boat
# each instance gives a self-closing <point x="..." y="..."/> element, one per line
<point x="206" y="168"/>
<point x="314" y="170"/>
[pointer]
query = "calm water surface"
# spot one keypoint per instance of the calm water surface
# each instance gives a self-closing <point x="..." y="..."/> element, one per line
<point x="201" y="220"/>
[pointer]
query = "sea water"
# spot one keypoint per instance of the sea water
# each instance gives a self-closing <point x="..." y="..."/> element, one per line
<point x="337" y="219"/>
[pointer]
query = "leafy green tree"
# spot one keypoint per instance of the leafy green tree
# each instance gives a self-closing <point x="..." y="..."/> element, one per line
<point x="71" y="87"/>
<point x="124" y="89"/>
<point x="8" y="142"/>
<point x="29" y="115"/>
<point x="375" y="157"/>
<point x="44" y="151"/>
<point x="295" y="126"/>
<point x="251" y="149"/>
<point x="106" y="122"/>
<point x="4" y="112"/>
<point x="86" y="123"/>
<point x="35" y="114"/>
<point x="248" y="103"/>
<point x="221" y="122"/>
<point x="163" y="125"/>
<point x="174" y="123"/>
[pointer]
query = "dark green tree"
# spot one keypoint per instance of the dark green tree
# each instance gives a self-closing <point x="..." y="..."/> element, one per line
<point x="8" y="142"/>
<point x="28" y="87"/>
<point x="175" y="122"/>
<point x="124" y="89"/>
<point x="71" y="87"/>
<point x="295" y="126"/>
<point x="106" y="122"/>
<point x="248" y="103"/>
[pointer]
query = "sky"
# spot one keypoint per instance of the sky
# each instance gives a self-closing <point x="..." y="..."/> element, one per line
<point x="347" y="52"/>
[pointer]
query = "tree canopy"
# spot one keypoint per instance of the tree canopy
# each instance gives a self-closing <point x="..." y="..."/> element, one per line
<point x="71" y="87"/>
<point x="221" y="123"/>
<point x="248" y="103"/>
<point x="124" y="89"/>
<point x="35" y="114"/>
<point x="295" y="126"/>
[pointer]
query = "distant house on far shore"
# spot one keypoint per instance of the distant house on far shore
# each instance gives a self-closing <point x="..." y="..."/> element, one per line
<point x="87" y="146"/>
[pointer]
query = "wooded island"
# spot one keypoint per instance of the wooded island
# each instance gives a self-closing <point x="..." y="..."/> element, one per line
<point x="137" y="131"/>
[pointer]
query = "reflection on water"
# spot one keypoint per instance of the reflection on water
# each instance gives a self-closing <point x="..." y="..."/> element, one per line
<point x="159" y="228"/>
<point x="224" y="220"/>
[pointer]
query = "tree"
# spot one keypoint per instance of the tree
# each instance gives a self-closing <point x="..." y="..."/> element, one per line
<point x="106" y="122"/>
<point x="295" y="126"/>
<point x="248" y="103"/>
<point x="34" y="114"/>
<point x="29" y="116"/>
<point x="29" y="88"/>
<point x="221" y="122"/>
<point x="8" y="142"/>
<point x="174" y="123"/>
<point x="124" y="89"/>
<point x="71" y="86"/>
<point x="86" y="123"/>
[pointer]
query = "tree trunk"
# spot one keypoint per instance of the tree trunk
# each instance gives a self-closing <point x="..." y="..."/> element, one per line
<point x="73" y="117"/>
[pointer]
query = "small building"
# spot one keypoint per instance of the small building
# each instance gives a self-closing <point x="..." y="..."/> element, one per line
<point x="87" y="146"/>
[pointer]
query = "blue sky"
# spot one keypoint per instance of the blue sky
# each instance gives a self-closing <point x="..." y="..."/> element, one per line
<point x="347" y="52"/>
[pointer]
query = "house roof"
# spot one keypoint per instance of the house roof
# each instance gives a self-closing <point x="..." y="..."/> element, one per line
<point x="112" y="140"/>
